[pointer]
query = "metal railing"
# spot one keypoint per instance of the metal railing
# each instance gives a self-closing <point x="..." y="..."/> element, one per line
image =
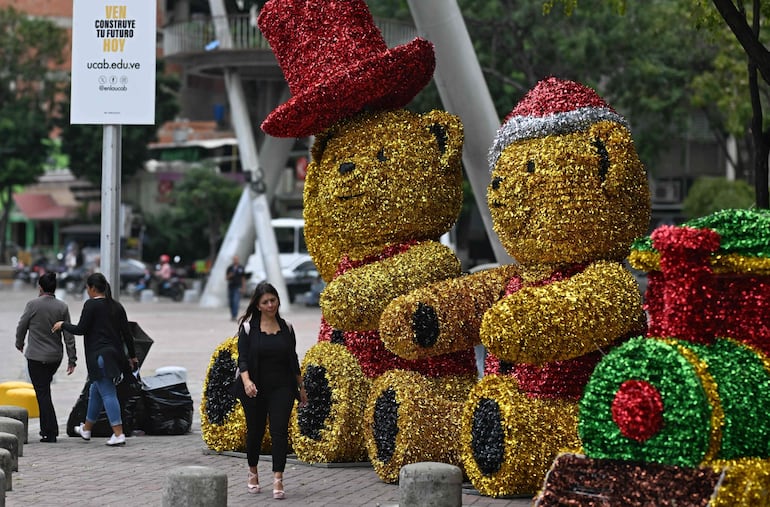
<point x="193" y="36"/>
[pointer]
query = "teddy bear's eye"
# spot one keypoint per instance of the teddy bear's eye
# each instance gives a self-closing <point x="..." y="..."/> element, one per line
<point x="496" y="182"/>
<point x="381" y="155"/>
<point x="604" y="159"/>
<point x="530" y="166"/>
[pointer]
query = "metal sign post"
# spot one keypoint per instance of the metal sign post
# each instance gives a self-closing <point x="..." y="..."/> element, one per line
<point x="113" y="84"/>
<point x="110" y="237"/>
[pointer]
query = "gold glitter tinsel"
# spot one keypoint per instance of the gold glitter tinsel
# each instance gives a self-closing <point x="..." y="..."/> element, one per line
<point x="425" y="425"/>
<point x="534" y="432"/>
<point x="746" y="482"/>
<point x="355" y="300"/>
<point x="564" y="319"/>
<point x="231" y="435"/>
<point x="381" y="179"/>
<point x="549" y="205"/>
<point x="341" y="438"/>
<point x="459" y="304"/>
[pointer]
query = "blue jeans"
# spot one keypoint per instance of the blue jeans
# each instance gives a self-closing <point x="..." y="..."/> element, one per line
<point x="103" y="393"/>
<point x="234" y="298"/>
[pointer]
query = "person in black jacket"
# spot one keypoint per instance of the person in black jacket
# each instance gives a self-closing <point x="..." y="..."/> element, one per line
<point x="104" y="326"/>
<point x="269" y="368"/>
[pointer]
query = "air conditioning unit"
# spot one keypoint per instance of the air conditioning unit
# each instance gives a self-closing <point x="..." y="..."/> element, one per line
<point x="666" y="191"/>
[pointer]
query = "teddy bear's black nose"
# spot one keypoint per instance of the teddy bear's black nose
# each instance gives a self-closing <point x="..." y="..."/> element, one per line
<point x="347" y="167"/>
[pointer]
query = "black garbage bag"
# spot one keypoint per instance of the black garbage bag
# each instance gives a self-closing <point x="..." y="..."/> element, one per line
<point x="130" y="397"/>
<point x="142" y="342"/>
<point x="168" y="406"/>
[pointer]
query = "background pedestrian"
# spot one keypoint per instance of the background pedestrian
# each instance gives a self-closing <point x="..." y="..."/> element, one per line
<point x="104" y="326"/>
<point x="44" y="351"/>
<point x="236" y="280"/>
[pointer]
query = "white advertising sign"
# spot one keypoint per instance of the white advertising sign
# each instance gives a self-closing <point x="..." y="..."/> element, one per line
<point x="113" y="62"/>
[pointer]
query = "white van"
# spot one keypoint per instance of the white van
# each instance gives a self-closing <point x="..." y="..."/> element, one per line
<point x="296" y="265"/>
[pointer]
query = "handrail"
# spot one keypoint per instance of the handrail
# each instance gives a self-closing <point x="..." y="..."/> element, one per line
<point x="193" y="36"/>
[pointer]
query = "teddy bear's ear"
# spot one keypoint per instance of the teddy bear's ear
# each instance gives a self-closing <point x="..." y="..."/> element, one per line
<point x="319" y="145"/>
<point x="448" y="130"/>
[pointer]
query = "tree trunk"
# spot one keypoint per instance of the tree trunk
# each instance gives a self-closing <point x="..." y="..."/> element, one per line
<point x="747" y="36"/>
<point x="6" y="204"/>
<point x="761" y="171"/>
<point x="759" y="135"/>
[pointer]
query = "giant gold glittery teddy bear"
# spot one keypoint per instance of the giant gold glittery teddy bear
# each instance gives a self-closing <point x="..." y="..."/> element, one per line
<point x="383" y="185"/>
<point x="567" y="196"/>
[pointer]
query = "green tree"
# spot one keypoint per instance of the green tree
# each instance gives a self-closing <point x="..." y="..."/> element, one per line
<point x="83" y="143"/>
<point x="637" y="59"/>
<point x="203" y="204"/>
<point x="747" y="21"/>
<point x="30" y="51"/>
<point x="708" y="195"/>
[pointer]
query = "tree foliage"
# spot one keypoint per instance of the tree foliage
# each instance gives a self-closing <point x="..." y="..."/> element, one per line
<point x="734" y="92"/>
<point x="83" y="143"/>
<point x="637" y="59"/>
<point x="203" y="204"/>
<point x="30" y="51"/>
<point x="708" y="195"/>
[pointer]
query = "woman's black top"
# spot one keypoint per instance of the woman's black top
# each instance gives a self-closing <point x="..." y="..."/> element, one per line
<point x="104" y="327"/>
<point x="270" y="359"/>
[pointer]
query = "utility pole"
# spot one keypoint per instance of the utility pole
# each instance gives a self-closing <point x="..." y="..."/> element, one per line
<point x="215" y="292"/>
<point x="463" y="92"/>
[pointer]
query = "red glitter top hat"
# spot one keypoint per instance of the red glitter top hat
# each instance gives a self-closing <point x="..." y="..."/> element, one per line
<point x="337" y="64"/>
<point x="553" y="107"/>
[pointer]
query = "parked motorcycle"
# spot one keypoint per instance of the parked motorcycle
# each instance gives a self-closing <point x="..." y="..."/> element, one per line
<point x="73" y="280"/>
<point x="172" y="288"/>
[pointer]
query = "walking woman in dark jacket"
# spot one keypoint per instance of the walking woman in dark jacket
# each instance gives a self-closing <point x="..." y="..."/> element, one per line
<point x="267" y="359"/>
<point x="104" y="326"/>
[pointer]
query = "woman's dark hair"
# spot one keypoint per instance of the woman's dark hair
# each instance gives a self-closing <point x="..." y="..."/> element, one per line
<point x="253" y="308"/>
<point x="99" y="282"/>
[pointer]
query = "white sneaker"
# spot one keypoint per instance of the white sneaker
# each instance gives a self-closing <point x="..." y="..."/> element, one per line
<point x="117" y="440"/>
<point x="85" y="435"/>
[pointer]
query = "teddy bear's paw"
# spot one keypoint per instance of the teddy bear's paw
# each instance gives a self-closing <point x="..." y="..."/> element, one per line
<point x="425" y="325"/>
<point x="509" y="440"/>
<point x="328" y="428"/>
<point x="408" y="420"/>
<point x="223" y="425"/>
<point x="442" y="317"/>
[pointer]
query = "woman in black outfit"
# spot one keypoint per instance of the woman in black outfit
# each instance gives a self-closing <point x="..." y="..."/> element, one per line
<point x="269" y="366"/>
<point x="104" y="326"/>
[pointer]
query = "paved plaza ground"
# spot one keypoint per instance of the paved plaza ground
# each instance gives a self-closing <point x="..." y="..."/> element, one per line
<point x="77" y="473"/>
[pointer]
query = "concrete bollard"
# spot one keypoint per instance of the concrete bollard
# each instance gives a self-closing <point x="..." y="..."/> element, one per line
<point x="10" y="443"/>
<point x="14" y="427"/>
<point x="6" y="466"/>
<point x="430" y="484"/>
<point x="22" y="397"/>
<point x="18" y="413"/>
<point x="195" y="486"/>
<point x="147" y="296"/>
<point x="190" y="296"/>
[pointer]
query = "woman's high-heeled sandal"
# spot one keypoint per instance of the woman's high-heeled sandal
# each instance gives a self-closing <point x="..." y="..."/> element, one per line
<point x="253" y="488"/>
<point x="278" y="493"/>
